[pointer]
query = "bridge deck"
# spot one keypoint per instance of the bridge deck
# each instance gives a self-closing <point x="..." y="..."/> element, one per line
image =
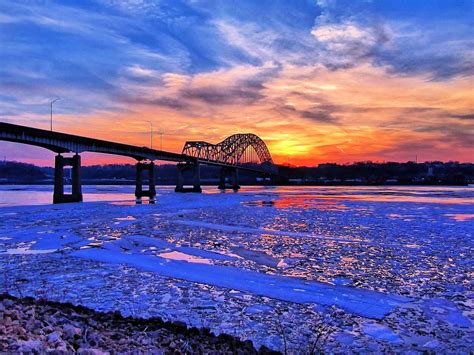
<point x="63" y="143"/>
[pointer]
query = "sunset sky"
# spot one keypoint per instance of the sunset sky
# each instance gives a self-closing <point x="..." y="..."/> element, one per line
<point x="317" y="80"/>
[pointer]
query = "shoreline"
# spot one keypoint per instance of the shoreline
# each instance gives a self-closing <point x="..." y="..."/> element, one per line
<point x="39" y="326"/>
<point x="215" y="183"/>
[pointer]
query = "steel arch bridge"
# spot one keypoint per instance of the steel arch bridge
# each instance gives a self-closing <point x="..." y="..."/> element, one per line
<point x="237" y="150"/>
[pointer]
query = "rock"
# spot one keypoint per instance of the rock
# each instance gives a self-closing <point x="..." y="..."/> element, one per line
<point x="29" y="346"/>
<point x="61" y="346"/>
<point x="8" y="303"/>
<point x="180" y="326"/>
<point x="48" y="329"/>
<point x="2" y="307"/>
<point x="20" y="331"/>
<point x="30" y="312"/>
<point x="54" y="337"/>
<point x="70" y="331"/>
<point x="90" y="351"/>
<point x="93" y="338"/>
<point x="145" y="341"/>
<point x="14" y="314"/>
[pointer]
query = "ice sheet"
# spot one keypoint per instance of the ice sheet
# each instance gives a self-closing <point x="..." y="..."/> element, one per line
<point x="363" y="302"/>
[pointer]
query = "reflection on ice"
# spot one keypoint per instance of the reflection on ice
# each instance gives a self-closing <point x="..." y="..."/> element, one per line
<point x="299" y="201"/>
<point x="460" y="217"/>
<point x="176" y="255"/>
<point x="128" y="218"/>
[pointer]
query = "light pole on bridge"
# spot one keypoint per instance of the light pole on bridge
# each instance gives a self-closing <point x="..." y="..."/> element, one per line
<point x="51" y="112"/>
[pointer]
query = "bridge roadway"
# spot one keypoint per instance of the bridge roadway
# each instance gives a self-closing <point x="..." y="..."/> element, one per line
<point x="61" y="143"/>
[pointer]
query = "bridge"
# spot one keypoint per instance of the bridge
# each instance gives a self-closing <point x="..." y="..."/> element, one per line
<point x="237" y="152"/>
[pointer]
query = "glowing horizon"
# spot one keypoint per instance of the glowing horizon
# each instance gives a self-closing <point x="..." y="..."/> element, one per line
<point x="321" y="81"/>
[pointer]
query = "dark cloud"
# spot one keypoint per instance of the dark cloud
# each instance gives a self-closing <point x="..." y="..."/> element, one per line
<point x="323" y="113"/>
<point x="439" y="62"/>
<point x="318" y="115"/>
<point x="222" y="95"/>
<point x="469" y="116"/>
<point x="245" y="91"/>
<point x="410" y="146"/>
<point x="457" y="136"/>
<point x="403" y="110"/>
<point x="163" y="101"/>
<point x="170" y="103"/>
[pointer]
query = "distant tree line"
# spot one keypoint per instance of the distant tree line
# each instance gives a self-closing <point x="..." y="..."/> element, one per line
<point x="434" y="172"/>
<point x="11" y="171"/>
<point x="370" y="172"/>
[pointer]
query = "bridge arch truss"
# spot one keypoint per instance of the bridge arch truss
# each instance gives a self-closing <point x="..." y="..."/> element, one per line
<point x="235" y="150"/>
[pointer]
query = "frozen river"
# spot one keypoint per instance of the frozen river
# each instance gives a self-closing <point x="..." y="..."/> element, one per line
<point x="373" y="268"/>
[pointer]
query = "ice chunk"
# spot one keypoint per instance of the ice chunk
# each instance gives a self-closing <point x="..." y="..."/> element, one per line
<point x="380" y="332"/>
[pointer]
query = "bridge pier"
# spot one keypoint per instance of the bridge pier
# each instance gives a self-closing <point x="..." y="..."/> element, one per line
<point x="267" y="180"/>
<point x="232" y="173"/>
<point x="139" y="191"/>
<point x="76" y="194"/>
<point x="182" y="168"/>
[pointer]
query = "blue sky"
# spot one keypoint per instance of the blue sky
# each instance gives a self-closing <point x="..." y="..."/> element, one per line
<point x="204" y="69"/>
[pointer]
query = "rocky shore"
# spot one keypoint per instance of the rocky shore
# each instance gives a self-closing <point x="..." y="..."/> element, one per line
<point x="39" y="326"/>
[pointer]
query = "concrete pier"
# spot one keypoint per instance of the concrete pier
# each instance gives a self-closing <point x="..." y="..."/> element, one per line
<point x="76" y="194"/>
<point x="196" y="177"/>
<point x="267" y="180"/>
<point x="231" y="173"/>
<point x="139" y="191"/>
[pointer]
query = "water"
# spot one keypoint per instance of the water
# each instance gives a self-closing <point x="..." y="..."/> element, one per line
<point x="305" y="253"/>
<point x="295" y="196"/>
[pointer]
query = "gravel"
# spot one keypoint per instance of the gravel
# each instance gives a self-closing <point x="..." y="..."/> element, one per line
<point x="40" y="326"/>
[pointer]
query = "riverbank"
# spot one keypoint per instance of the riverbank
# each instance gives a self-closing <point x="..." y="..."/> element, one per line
<point x="276" y="266"/>
<point x="31" y="325"/>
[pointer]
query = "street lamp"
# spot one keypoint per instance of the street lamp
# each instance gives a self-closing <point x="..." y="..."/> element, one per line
<point x="52" y="102"/>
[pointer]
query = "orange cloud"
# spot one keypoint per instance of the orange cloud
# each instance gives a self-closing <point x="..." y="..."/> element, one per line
<point x="306" y="114"/>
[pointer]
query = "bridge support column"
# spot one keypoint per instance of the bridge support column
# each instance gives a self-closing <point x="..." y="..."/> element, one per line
<point x="59" y="163"/>
<point x="195" y="169"/>
<point x="139" y="191"/>
<point x="197" y="178"/>
<point x="267" y="180"/>
<point x="234" y="181"/>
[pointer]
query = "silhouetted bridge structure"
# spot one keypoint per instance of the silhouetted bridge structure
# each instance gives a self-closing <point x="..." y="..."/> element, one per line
<point x="237" y="152"/>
